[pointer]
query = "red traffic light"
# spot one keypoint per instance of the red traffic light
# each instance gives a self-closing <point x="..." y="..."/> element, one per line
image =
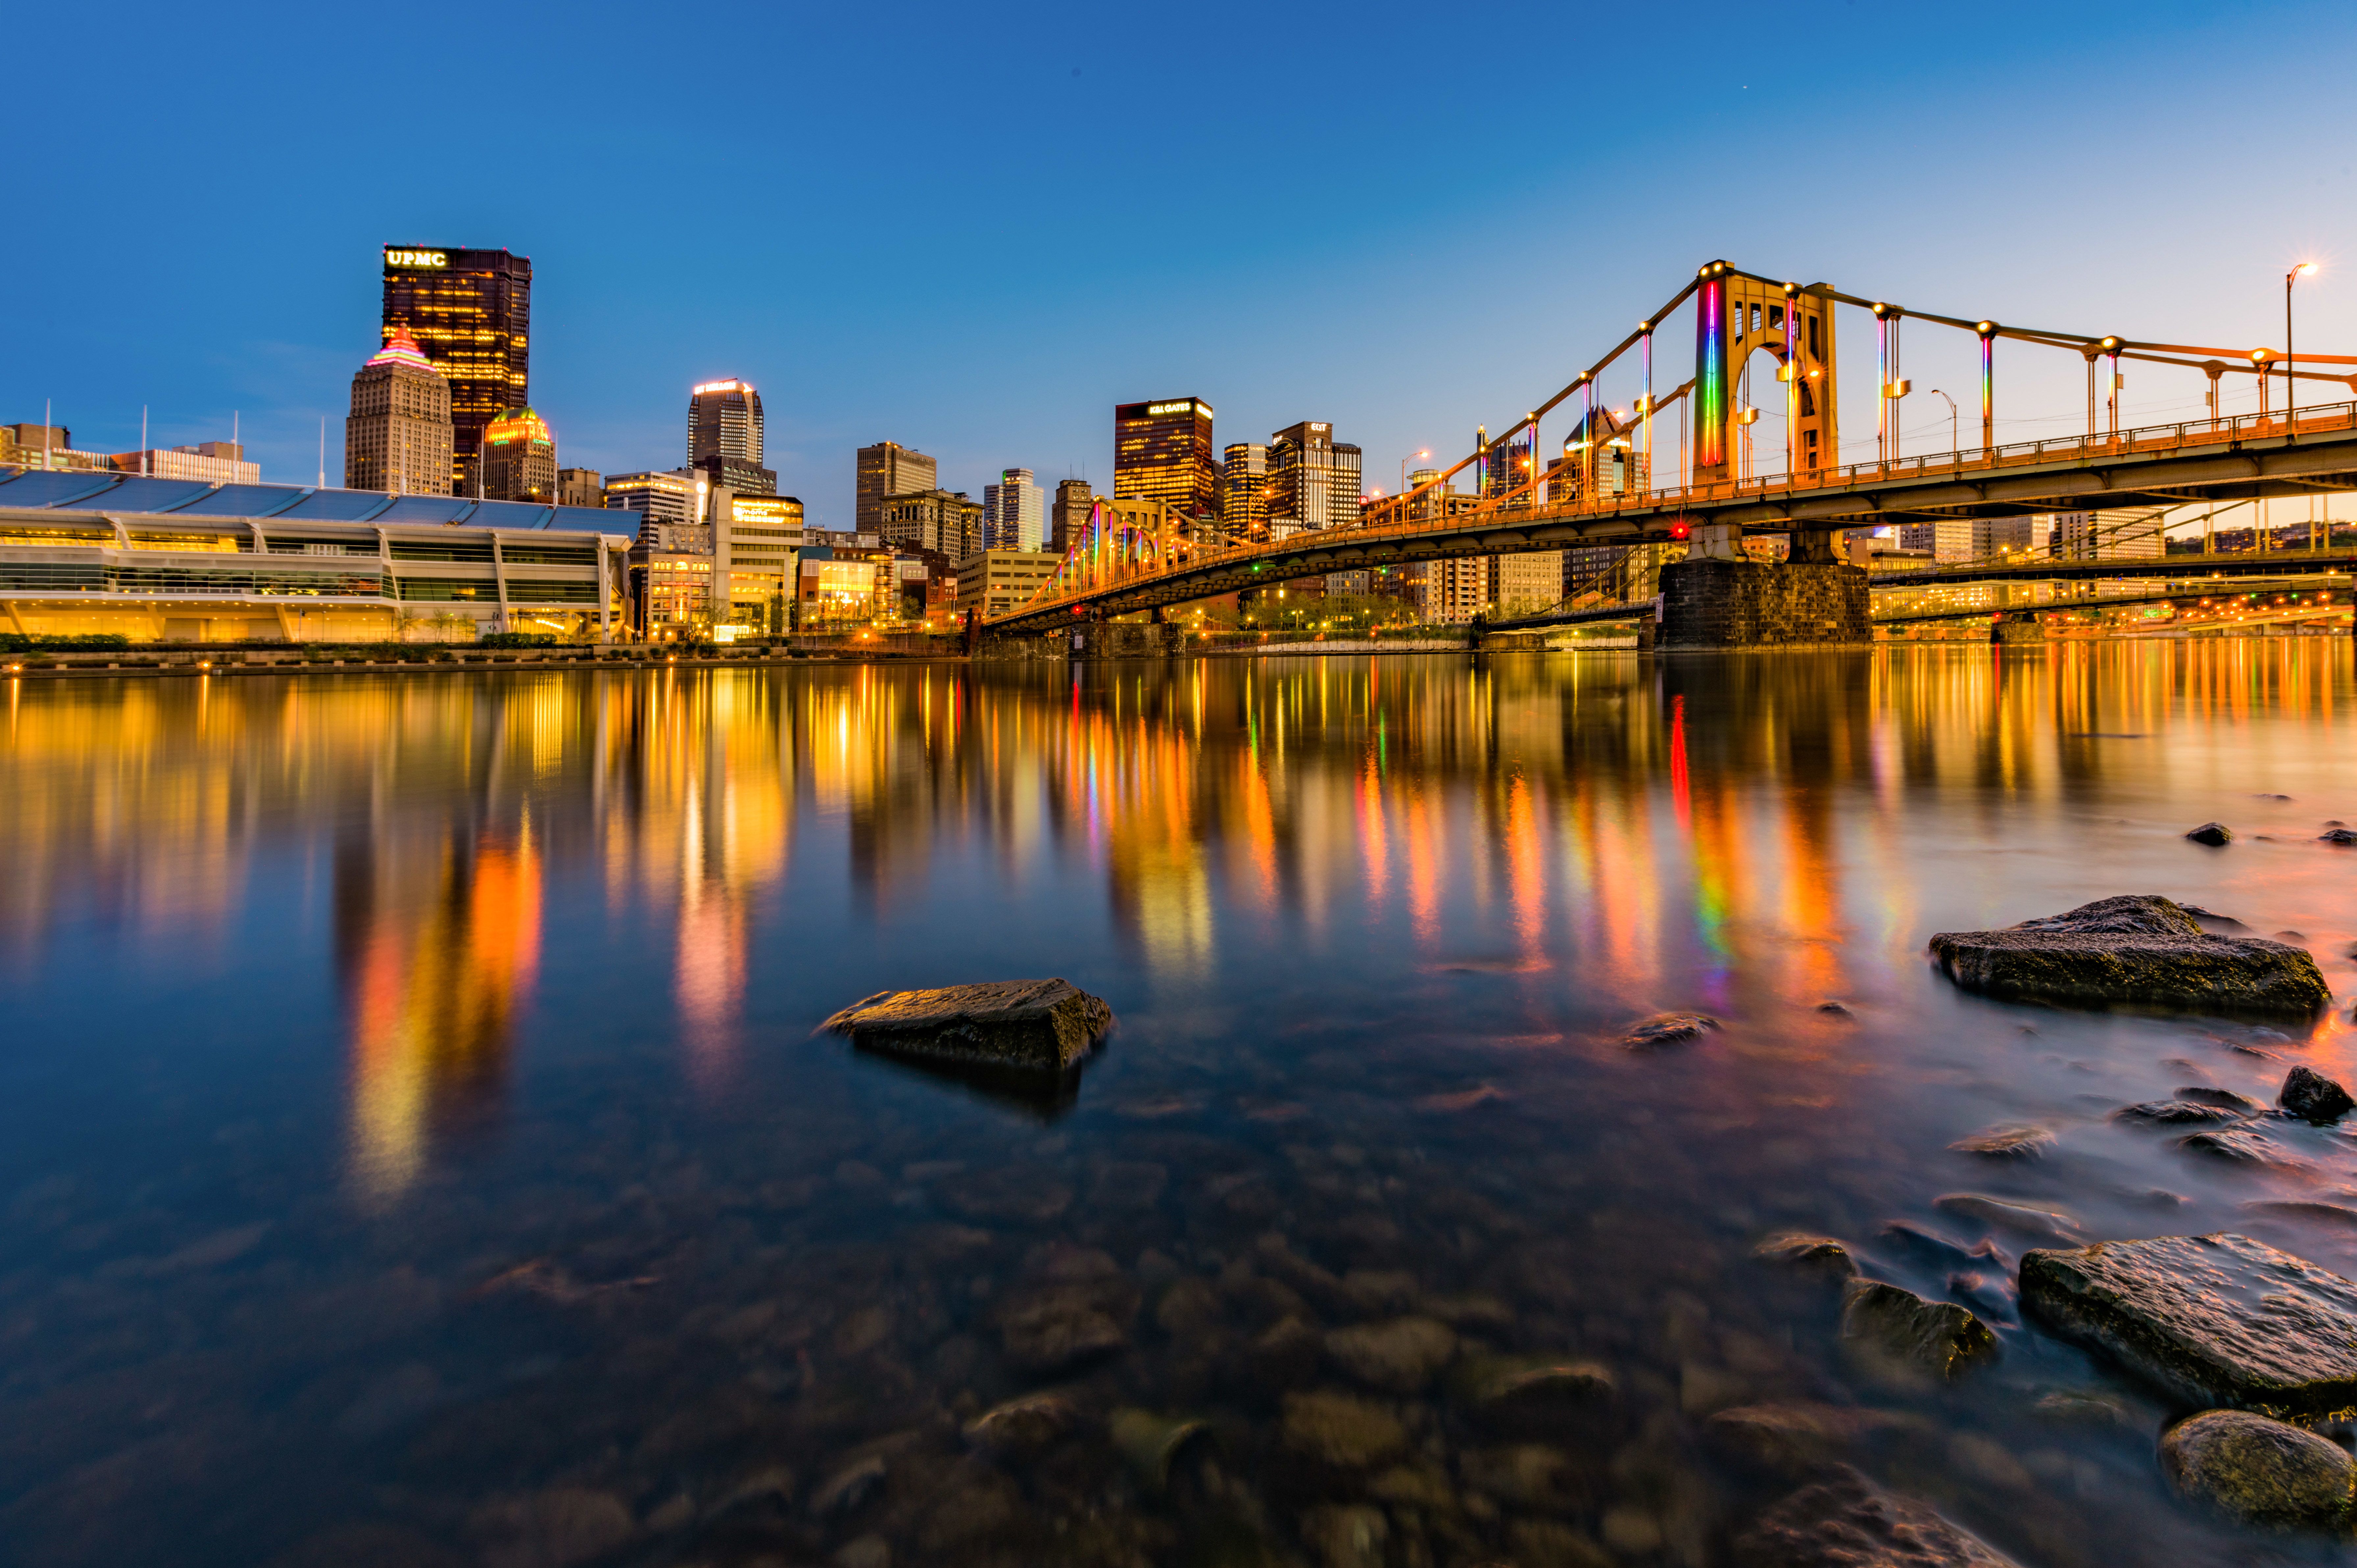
<point x="1680" y="528"/>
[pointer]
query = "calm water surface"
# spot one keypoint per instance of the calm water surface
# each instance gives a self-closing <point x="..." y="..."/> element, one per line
<point x="413" y="1148"/>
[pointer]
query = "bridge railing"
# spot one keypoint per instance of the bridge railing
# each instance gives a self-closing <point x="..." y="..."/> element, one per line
<point x="1405" y="518"/>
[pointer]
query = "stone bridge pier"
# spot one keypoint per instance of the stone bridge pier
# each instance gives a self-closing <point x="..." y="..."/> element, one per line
<point x="1719" y="598"/>
<point x="1086" y="641"/>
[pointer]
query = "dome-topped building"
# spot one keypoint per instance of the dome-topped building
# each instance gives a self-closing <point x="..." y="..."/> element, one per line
<point x="398" y="438"/>
<point x="519" y="460"/>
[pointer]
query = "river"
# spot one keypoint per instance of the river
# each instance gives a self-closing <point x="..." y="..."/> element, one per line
<point x="415" y="1147"/>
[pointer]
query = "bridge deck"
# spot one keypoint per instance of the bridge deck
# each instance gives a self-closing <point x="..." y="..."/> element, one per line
<point x="2238" y="458"/>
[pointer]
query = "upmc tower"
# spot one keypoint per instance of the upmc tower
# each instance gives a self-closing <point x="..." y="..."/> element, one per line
<point x="470" y="313"/>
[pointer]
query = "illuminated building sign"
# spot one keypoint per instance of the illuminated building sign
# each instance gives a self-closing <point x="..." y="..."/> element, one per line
<point x="1189" y="407"/>
<point x="717" y="387"/>
<point x="417" y="259"/>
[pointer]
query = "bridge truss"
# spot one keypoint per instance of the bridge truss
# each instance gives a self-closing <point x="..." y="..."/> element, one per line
<point x="1517" y="505"/>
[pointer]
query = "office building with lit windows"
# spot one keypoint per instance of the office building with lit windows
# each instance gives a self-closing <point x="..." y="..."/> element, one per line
<point x="1313" y="478"/>
<point x="942" y="522"/>
<point x="1162" y="451"/>
<point x="1014" y="512"/>
<point x="397" y="438"/>
<point x="470" y="313"/>
<point x="658" y="499"/>
<point x="888" y="468"/>
<point x="517" y="462"/>
<point x="1244" y="493"/>
<point x="1070" y="514"/>
<point x="725" y="437"/>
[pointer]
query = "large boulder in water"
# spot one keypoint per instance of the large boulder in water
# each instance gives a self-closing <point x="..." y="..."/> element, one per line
<point x="2136" y="949"/>
<point x="2263" y="1472"/>
<point x="1026" y="1025"/>
<point x="2216" y="1320"/>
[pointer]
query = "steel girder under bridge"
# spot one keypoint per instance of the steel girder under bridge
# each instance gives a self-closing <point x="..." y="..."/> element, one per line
<point x="1515" y="507"/>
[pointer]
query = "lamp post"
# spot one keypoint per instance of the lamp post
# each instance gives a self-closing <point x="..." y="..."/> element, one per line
<point x="1420" y="456"/>
<point x="2291" y="388"/>
<point x="1953" y="448"/>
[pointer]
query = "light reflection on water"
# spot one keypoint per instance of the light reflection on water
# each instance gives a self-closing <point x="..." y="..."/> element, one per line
<point x="339" y="1000"/>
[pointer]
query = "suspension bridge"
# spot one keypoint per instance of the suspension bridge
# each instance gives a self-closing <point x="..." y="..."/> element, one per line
<point x="1598" y="494"/>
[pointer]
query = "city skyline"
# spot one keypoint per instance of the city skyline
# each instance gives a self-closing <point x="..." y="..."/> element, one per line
<point x="985" y="361"/>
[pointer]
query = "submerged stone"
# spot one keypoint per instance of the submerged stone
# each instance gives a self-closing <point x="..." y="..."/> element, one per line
<point x="1794" y="1439"/>
<point x="2019" y="1218"/>
<point x="1338" y="1430"/>
<point x="1936" y="1336"/>
<point x="2261" y="1471"/>
<point x="2237" y="1144"/>
<point x="2009" y="1142"/>
<point x="1047" y="1025"/>
<point x="2216" y="1320"/>
<point x="1530" y="1391"/>
<point x="2176" y="1114"/>
<point x="2138" y="949"/>
<point x="2313" y="1096"/>
<point x="1850" y="1521"/>
<point x="1150" y="1444"/>
<point x="2212" y="834"/>
<point x="1798" y="1249"/>
<point x="1024" y="1428"/>
<point x="1668" y="1029"/>
<point x="1400" y="1355"/>
<point x="2225" y="1099"/>
<point x="1925" y="1245"/>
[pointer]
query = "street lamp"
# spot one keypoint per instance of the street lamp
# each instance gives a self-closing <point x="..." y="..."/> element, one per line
<point x="1943" y="397"/>
<point x="2291" y="387"/>
<point x="1420" y="456"/>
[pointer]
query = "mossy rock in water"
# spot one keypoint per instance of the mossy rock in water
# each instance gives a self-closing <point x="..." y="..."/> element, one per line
<point x="1811" y="1253"/>
<point x="2140" y="950"/>
<point x="1027" y="1025"/>
<point x="2261" y="1471"/>
<point x="2215" y="1320"/>
<point x="1903" y="1330"/>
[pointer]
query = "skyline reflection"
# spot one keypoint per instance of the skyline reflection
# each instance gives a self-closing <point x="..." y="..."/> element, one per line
<point x="1691" y="831"/>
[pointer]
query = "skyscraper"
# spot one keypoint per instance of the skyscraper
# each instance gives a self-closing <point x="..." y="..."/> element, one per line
<point x="888" y="468"/>
<point x="397" y="438"/>
<point x="724" y="436"/>
<point x="1071" y="515"/>
<point x="661" y="499"/>
<point x="1014" y="512"/>
<point x="1313" y="478"/>
<point x="518" y="461"/>
<point x="470" y="313"/>
<point x="1244" y="493"/>
<point x="1162" y="452"/>
<point x="943" y="521"/>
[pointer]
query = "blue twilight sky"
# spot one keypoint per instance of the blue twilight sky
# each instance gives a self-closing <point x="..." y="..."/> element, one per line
<point x="974" y="228"/>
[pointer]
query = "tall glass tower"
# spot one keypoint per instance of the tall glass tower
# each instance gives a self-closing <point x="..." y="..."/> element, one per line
<point x="469" y="313"/>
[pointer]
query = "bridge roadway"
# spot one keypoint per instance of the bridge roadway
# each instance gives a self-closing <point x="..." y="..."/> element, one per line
<point x="2246" y="458"/>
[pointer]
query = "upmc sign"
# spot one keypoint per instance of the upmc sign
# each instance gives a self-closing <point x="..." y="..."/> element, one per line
<point x="393" y="258"/>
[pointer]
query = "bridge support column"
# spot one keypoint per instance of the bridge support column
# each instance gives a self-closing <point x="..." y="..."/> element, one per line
<point x="1106" y="640"/>
<point x="1721" y="603"/>
<point x="2017" y="626"/>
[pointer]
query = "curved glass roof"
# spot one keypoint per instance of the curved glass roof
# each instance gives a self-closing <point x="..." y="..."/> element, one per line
<point x="137" y="493"/>
<point x="96" y="490"/>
